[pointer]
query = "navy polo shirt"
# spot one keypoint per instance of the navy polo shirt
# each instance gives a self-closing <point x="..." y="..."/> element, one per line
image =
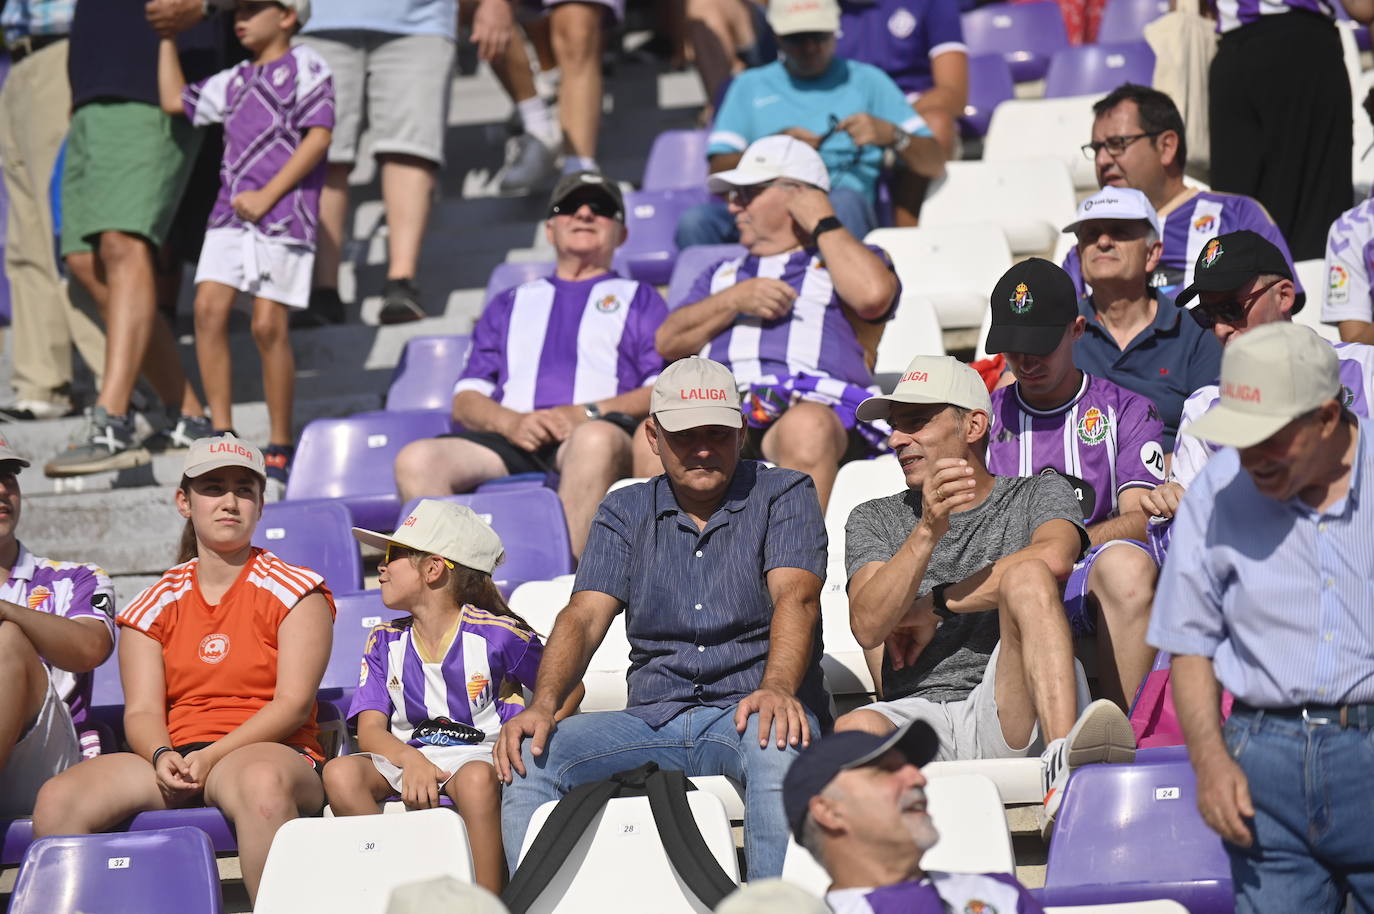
<point x="1166" y="362"/>
<point x="697" y="609"/>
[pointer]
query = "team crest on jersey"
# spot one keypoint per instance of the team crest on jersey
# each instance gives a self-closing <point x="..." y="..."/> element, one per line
<point x="1337" y="285"/>
<point x="279" y="76"/>
<point x="478" y="686"/>
<point x="979" y="907"/>
<point x="608" y="305"/>
<point x="362" y="674"/>
<point x="1021" y="298"/>
<point x="1092" y="426"/>
<point x="38" y="595"/>
<point x="1212" y="253"/>
<point x="1204" y="222"/>
<point x="901" y="24"/>
<point x="214" y="648"/>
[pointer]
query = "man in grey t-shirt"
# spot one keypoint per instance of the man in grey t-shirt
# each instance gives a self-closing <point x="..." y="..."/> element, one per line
<point x="958" y="578"/>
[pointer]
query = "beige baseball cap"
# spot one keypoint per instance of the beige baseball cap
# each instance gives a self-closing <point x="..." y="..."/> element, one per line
<point x="932" y="379"/>
<point x="1269" y="377"/>
<point x="770" y="158"/>
<point x="443" y="528"/>
<point x="788" y="17"/>
<point x="206" y="454"/>
<point x="9" y="454"/>
<point x="302" y="8"/>
<point x="693" y="392"/>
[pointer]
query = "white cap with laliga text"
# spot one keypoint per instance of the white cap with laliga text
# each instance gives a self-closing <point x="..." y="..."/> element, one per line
<point x="770" y="158"/>
<point x="693" y="392"/>
<point x="1122" y="203"/>
<point x="789" y="17"/>
<point x="932" y="379"/>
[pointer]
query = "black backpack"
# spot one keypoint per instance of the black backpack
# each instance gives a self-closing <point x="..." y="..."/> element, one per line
<point x="677" y="829"/>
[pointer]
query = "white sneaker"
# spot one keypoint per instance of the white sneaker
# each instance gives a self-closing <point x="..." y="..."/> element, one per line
<point x="1101" y="734"/>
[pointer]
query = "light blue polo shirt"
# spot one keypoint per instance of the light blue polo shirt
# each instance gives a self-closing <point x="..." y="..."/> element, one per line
<point x="396" y="17"/>
<point x="768" y="100"/>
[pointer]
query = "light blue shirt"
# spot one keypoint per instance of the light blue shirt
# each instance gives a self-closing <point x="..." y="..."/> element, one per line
<point x="37" y="17"/>
<point x="767" y="100"/>
<point x="1278" y="594"/>
<point x="396" y="17"/>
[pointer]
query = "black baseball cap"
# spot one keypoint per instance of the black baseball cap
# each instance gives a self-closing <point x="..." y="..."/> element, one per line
<point x="588" y="183"/>
<point x="1032" y="304"/>
<point x="818" y="765"/>
<point x="1231" y="260"/>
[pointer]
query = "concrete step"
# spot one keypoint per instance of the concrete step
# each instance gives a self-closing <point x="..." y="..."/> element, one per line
<point x="131" y="531"/>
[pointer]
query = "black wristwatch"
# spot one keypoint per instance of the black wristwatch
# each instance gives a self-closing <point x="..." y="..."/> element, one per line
<point x="937" y="597"/>
<point x="591" y="410"/>
<point x="825" y="225"/>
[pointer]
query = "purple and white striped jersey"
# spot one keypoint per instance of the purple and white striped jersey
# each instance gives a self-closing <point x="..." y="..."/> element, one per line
<point x="266" y="111"/>
<point x="551" y="342"/>
<point x="814" y="338"/>
<point x="1232" y="14"/>
<point x="1187" y="229"/>
<point x="1105" y="435"/>
<point x="477" y="682"/>
<point x="71" y="590"/>
<point x="1349" y="259"/>
<point x="1191" y="454"/>
<point x="939" y="893"/>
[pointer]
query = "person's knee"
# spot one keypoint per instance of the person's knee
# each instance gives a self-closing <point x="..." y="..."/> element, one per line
<point x="265" y="790"/>
<point x="416" y="464"/>
<point x="807" y="435"/>
<point x="598" y="444"/>
<point x="57" y="810"/>
<point x="575" y="31"/>
<point x="1029" y="590"/>
<point x="864" y="720"/>
<point x="269" y="328"/>
<point x="476" y="782"/>
<point x="344" y="776"/>
<point x="1123" y="581"/>
<point x="119" y="248"/>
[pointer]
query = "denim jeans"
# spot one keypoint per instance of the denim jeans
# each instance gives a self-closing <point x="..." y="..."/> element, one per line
<point x="1314" y="814"/>
<point x="711" y="223"/>
<point x="699" y="741"/>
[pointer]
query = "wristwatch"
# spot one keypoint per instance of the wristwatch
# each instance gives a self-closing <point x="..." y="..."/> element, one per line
<point x="825" y="225"/>
<point x="902" y="141"/>
<point x="937" y="597"/>
<point x="592" y="410"/>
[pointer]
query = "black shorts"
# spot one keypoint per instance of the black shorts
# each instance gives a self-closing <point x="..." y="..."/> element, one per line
<point x="315" y="764"/>
<point x="518" y="460"/>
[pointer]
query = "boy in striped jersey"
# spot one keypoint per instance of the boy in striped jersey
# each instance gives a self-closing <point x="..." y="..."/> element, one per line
<point x="1103" y="438"/>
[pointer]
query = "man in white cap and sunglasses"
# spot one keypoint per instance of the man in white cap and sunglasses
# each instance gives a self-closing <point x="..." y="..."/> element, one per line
<point x="717" y="565"/>
<point x="957" y="577"/>
<point x="56" y="626"/>
<point x="1267" y="594"/>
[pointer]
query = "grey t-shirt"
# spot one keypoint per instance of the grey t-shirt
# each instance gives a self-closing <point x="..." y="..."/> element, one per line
<point x="952" y="664"/>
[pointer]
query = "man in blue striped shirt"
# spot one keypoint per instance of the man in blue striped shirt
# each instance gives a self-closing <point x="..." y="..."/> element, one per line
<point x="717" y="565"/>
<point x="1267" y="593"/>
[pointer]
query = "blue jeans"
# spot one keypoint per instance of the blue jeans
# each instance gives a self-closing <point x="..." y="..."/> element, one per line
<point x="711" y="223"/>
<point x="699" y="741"/>
<point x="1310" y="784"/>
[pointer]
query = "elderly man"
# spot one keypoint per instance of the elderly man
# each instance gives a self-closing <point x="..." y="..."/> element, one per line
<point x="1133" y="335"/>
<point x="556" y="378"/>
<point x="958" y="578"/>
<point x="1138" y="141"/>
<point x="849" y="111"/>
<point x="784" y="316"/>
<point x="56" y="626"/>
<point x="1267" y="594"/>
<point x="856" y="802"/>
<point x="717" y="565"/>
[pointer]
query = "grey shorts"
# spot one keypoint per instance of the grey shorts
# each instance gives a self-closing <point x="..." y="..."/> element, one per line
<point x="49" y="748"/>
<point x="405" y="80"/>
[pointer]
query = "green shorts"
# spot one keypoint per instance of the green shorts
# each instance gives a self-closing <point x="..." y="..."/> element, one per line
<point x="126" y="169"/>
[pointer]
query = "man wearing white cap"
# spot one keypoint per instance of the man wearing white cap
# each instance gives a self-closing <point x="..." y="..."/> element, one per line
<point x="56" y="626"/>
<point x="1267" y="594"/>
<point x="958" y="578"/>
<point x="792" y="318"/>
<point x="850" y="112"/>
<point x="717" y="565"/>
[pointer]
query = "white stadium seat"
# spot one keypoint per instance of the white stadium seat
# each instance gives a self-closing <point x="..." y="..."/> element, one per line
<point x="620" y="857"/>
<point x="1030" y="200"/>
<point x="349" y="865"/>
<point x="1017" y="779"/>
<point x="950" y="270"/>
<point x="539" y="603"/>
<point x="1056" y="128"/>
<point x="1312" y="275"/>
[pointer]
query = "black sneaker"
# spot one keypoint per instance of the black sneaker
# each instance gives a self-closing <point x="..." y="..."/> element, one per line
<point x="402" y="302"/>
<point x="104" y="443"/>
<point x="178" y="433"/>
<point x="325" y="308"/>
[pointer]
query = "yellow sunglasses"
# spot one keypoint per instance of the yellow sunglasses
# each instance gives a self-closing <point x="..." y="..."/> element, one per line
<point x="396" y="550"/>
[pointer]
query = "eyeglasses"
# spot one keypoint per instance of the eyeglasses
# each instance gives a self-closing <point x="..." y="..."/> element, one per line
<point x="743" y="196"/>
<point x="396" y="551"/>
<point x="1115" y="145"/>
<point x="1235" y="311"/>
<point x="599" y="205"/>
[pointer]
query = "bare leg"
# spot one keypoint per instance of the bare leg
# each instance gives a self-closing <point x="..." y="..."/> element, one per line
<point x="593" y="457"/>
<point x="1122" y="582"/>
<point x="333" y="215"/>
<point x="354" y="786"/>
<point x="85" y="268"/>
<point x="718" y="29"/>
<point x="26" y="680"/>
<point x="214" y="301"/>
<point x="810" y="439"/>
<point x="575" y="30"/>
<point x="865" y="721"/>
<point x="407" y="189"/>
<point x="444" y="466"/>
<point x="96" y="794"/>
<point x="1035" y="675"/>
<point x="130" y="318"/>
<point x="278" y="367"/>
<point x="477" y="794"/>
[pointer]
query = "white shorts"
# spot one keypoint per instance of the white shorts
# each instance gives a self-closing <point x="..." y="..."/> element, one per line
<point x="243" y="259"/>
<point x="49" y="748"/>
<point x="971" y="729"/>
<point x="446" y="758"/>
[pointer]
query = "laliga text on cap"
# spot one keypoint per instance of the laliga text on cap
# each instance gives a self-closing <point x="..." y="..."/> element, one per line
<point x="702" y="393"/>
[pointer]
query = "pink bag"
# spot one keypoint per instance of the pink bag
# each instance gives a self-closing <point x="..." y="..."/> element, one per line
<point x="1153" y="717"/>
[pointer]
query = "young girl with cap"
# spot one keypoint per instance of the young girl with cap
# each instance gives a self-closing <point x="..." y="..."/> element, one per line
<point x="220" y="661"/>
<point x="437" y="684"/>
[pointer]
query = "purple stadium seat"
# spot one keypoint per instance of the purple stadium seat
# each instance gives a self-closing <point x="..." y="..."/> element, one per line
<point x="510" y="274"/>
<point x="531" y="526"/>
<point x="989" y="84"/>
<point x="1125" y="20"/>
<point x="357" y="614"/>
<point x="1026" y="34"/>
<point x="207" y="819"/>
<point x="651" y="217"/>
<point x="1131" y="833"/>
<point x="426" y="372"/>
<point x="1095" y="69"/>
<point x="677" y="159"/>
<point x="170" y="870"/>
<point x="314" y="533"/>
<point x="690" y="263"/>
<point x="351" y="460"/>
<point x="18" y="835"/>
<point x="520" y="481"/>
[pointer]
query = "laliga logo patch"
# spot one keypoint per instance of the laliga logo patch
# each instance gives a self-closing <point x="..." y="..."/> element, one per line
<point x="37" y="596"/>
<point x="214" y="648"/>
<point x="1021" y="299"/>
<point x="1212" y="253"/>
<point x="608" y="305"/>
<point x="1093" y="426"/>
<point x="409" y="521"/>
<point x="1204" y="222"/>
<point x="1338" y="285"/>
<point x="901" y="24"/>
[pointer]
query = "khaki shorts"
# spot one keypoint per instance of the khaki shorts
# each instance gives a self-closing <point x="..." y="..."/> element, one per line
<point x="126" y="170"/>
<point x="49" y="748"/>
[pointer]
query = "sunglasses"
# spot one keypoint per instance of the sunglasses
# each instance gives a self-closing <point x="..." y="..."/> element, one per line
<point x="396" y="551"/>
<point x="743" y="196"/>
<point x="599" y="204"/>
<point x="1235" y="311"/>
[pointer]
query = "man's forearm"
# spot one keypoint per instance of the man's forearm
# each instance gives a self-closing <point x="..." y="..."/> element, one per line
<point x="570" y="648"/>
<point x="1197" y="699"/>
<point x="924" y="156"/>
<point x="691" y="327"/>
<point x="308" y="154"/>
<point x="789" y="642"/>
<point x="480" y="413"/>
<point x="861" y="279"/>
<point x="884" y="599"/>
<point x="68" y="644"/>
<point x="1128" y="526"/>
<point x="633" y="403"/>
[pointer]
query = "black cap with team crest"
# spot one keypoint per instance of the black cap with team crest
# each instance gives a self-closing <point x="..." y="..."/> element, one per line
<point x="1231" y="260"/>
<point x="572" y="190"/>
<point x="1032" y="305"/>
